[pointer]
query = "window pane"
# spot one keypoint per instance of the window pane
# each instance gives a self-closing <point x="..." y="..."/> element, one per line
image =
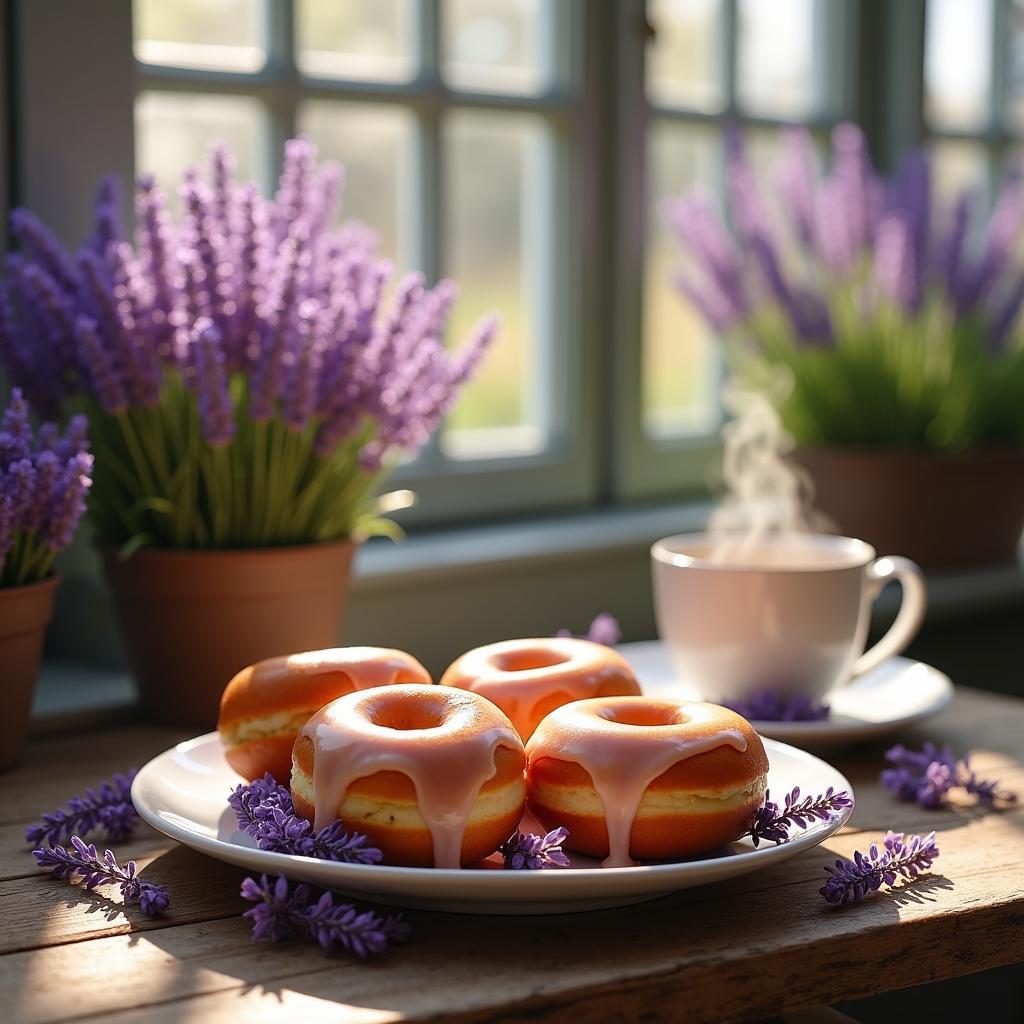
<point x="775" y="57"/>
<point x="1015" y="67"/>
<point x="498" y="176"/>
<point x="680" y="363"/>
<point x="495" y="45"/>
<point x="958" y="63"/>
<point x="958" y="165"/>
<point x="229" y="35"/>
<point x="174" y="131"/>
<point x="375" y="143"/>
<point x="362" y="39"/>
<point x="683" y="58"/>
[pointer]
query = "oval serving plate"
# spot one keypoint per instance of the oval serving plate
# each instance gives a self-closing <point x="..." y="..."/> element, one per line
<point x="183" y="793"/>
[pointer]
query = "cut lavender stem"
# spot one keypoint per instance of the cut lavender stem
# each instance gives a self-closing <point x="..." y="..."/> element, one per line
<point x="83" y="862"/>
<point x="927" y="776"/>
<point x="603" y="630"/>
<point x="531" y="852"/>
<point x="281" y="913"/>
<point x="778" y="706"/>
<point x="899" y="857"/>
<point x="773" y="823"/>
<point x="107" y="806"/>
<point x="264" y="810"/>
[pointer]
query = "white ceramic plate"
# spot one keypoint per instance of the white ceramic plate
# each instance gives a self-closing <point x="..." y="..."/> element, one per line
<point x="183" y="793"/>
<point x="898" y="693"/>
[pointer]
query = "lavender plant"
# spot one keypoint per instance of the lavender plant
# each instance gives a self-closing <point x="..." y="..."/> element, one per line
<point x="900" y="857"/>
<point x="281" y="913"/>
<point x="83" y="862"/>
<point x="892" y="317"/>
<point x="44" y="479"/>
<point x="108" y="806"/>
<point x="250" y="372"/>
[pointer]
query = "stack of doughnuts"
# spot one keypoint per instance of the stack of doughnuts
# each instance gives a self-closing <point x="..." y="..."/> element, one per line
<point x="438" y="775"/>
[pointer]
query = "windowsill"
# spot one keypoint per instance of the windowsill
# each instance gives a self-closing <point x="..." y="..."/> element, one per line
<point x="72" y="693"/>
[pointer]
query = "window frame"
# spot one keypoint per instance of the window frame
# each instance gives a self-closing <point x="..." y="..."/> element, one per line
<point x="651" y="466"/>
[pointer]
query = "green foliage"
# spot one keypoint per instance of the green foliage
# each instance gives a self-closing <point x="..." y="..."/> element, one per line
<point x="159" y="483"/>
<point x="926" y="382"/>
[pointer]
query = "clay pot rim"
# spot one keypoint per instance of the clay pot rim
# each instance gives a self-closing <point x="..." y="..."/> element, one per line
<point x="979" y="454"/>
<point x="169" y="554"/>
<point x="27" y="588"/>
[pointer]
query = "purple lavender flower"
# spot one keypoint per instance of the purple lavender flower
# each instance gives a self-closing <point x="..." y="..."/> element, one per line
<point x="603" y="630"/>
<point x="216" y="410"/>
<point x="82" y="862"/>
<point x="770" y="705"/>
<point x="107" y="228"/>
<point x="43" y="483"/>
<point x="100" y="368"/>
<point x="773" y="823"/>
<point x="264" y="810"/>
<point x="901" y="857"/>
<point x="928" y="776"/>
<point x="281" y="913"/>
<point x="530" y="852"/>
<point x="108" y="806"/>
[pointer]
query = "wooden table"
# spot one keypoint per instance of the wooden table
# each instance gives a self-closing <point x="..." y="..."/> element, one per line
<point x="738" y="950"/>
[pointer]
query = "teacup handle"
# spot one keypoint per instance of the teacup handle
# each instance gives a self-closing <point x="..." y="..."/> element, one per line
<point x="911" y="613"/>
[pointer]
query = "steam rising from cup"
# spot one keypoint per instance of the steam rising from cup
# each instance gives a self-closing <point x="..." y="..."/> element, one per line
<point x="766" y="497"/>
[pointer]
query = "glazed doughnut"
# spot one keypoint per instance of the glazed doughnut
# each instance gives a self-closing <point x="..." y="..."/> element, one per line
<point x="432" y="775"/>
<point x="527" y="679"/>
<point x="651" y="778"/>
<point x="263" y="707"/>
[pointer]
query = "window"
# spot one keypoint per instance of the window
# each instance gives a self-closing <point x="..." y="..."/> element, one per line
<point x="973" y="109"/>
<point x="708" y="63"/>
<point x="520" y="146"/>
<point x="458" y="123"/>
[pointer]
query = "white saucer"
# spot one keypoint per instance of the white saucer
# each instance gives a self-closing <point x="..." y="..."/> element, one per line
<point x="183" y="793"/>
<point x="898" y="693"/>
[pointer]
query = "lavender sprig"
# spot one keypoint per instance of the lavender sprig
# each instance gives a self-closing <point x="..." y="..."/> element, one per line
<point x="264" y="810"/>
<point x="84" y="863"/>
<point x="928" y="775"/>
<point x="281" y="913"/>
<point x="530" y="852"/>
<point x="900" y="857"/>
<point x="108" y="806"/>
<point x="603" y="630"/>
<point x="774" y="823"/>
<point x="777" y="706"/>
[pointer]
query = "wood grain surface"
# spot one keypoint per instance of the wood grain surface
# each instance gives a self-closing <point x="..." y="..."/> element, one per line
<point x="735" y="951"/>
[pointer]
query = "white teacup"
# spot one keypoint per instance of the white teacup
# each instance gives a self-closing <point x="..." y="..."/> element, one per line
<point x="787" y="614"/>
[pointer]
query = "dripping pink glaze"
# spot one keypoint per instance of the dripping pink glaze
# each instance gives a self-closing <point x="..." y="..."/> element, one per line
<point x="622" y="759"/>
<point x="567" y="667"/>
<point x="447" y="764"/>
<point x="366" y="667"/>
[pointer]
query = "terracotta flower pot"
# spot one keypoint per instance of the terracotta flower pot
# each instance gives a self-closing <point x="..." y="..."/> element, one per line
<point x="24" y="614"/>
<point x="191" y="619"/>
<point x="939" y="510"/>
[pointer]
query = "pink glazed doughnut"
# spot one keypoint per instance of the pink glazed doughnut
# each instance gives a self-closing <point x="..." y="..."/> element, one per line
<point x="528" y="679"/>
